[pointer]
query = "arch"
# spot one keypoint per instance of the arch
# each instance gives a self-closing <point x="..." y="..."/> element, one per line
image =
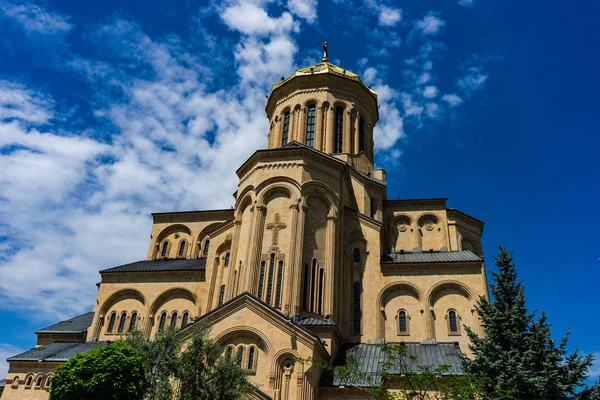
<point x="262" y="341"/>
<point x="246" y="196"/>
<point x="311" y="100"/>
<point x="427" y="215"/>
<point x="39" y="381"/>
<point x="182" y="248"/>
<point x="385" y="292"/>
<point x="48" y="381"/>
<point x="172" y="229"/>
<point x="29" y="380"/>
<point x="122" y="295"/>
<point x="396" y="218"/>
<point x="169" y="294"/>
<point x="323" y="191"/>
<point x="201" y="237"/>
<point x="448" y="283"/>
<point x="280" y="183"/>
<point x="284" y="354"/>
<point x="122" y="320"/>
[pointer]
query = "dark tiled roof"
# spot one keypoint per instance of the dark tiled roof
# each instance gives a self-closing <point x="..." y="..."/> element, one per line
<point x="182" y="264"/>
<point x="426" y="257"/>
<point x="313" y="321"/>
<point x="2" y="383"/>
<point x="371" y="356"/>
<point x="56" y="351"/>
<point x="78" y="324"/>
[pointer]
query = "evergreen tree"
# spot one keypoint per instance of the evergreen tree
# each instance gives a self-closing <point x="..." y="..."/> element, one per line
<point x="516" y="357"/>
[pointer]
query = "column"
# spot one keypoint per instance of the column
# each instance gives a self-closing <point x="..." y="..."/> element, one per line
<point x="318" y="130"/>
<point x="330" y="251"/>
<point x="297" y="284"/>
<point x="301" y="136"/>
<point x="290" y="264"/>
<point x="330" y="134"/>
<point x="233" y="259"/>
<point x="277" y="133"/>
<point x="292" y="127"/>
<point x="257" y="238"/>
<point x="356" y="133"/>
<point x="347" y="131"/>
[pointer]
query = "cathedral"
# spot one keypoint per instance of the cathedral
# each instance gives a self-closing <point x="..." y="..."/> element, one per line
<point x="312" y="260"/>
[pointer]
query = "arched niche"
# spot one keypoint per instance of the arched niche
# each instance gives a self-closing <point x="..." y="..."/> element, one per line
<point x="430" y="232"/>
<point x="451" y="295"/>
<point x="402" y="234"/>
<point x="171" y="301"/>
<point x="173" y="236"/>
<point x="393" y="297"/>
<point x="123" y="300"/>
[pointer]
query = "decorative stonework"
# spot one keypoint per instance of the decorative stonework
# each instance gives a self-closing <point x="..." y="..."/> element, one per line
<point x="402" y="227"/>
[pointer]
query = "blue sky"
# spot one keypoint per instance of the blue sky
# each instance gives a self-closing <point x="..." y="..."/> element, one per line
<point x="112" y="110"/>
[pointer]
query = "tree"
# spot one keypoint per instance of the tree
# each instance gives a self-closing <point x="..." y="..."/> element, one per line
<point x="205" y="375"/>
<point x="516" y="357"/>
<point x="112" y="372"/>
<point x="161" y="359"/>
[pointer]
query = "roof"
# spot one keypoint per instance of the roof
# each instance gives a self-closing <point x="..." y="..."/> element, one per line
<point x="57" y="352"/>
<point x="371" y="356"/>
<point x="180" y="264"/>
<point x="313" y="321"/>
<point x="78" y="324"/>
<point x="428" y="257"/>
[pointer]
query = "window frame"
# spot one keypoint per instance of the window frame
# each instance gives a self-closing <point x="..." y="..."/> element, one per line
<point x="111" y="322"/>
<point x="285" y="132"/>
<point x="122" y="320"/>
<point x="311" y="121"/>
<point x="399" y="330"/>
<point x="449" y="319"/>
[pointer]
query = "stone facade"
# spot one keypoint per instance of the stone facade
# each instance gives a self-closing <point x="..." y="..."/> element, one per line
<point x="311" y="256"/>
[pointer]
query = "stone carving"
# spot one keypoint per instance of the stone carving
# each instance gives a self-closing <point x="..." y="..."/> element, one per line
<point x="276" y="226"/>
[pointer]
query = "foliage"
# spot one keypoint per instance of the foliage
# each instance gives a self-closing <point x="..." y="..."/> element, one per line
<point x="397" y="371"/>
<point x="112" y="372"/>
<point x="516" y="357"/>
<point x="592" y="393"/>
<point x="161" y="358"/>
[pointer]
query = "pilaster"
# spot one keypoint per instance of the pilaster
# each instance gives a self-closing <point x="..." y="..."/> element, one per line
<point x="331" y="233"/>
<point x="330" y="134"/>
<point x="347" y="140"/>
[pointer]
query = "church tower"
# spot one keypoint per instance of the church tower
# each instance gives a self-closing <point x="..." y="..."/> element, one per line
<point x="312" y="260"/>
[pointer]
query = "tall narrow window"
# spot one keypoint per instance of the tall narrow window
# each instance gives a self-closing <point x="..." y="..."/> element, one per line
<point x="356" y="255"/>
<point x="361" y="135"/>
<point x="452" y="323"/>
<point x="305" y="288"/>
<point x="251" y="358"/>
<point x="163" y="321"/>
<point x="373" y="207"/>
<point x="356" y="325"/>
<point x="339" y="129"/>
<point x="313" y="285"/>
<point x="182" y="248"/>
<point x="184" y="320"/>
<point x="229" y="352"/>
<point x="261" y="280"/>
<point x="111" y="322"/>
<point x="286" y="129"/>
<point x="222" y="295"/>
<point x="174" y="320"/>
<point x="206" y="244"/>
<point x="270" y="279"/>
<point x="133" y="322"/>
<point x="310" y="124"/>
<point x="227" y="259"/>
<point x="239" y="356"/>
<point x="320" y="299"/>
<point x="122" y="323"/>
<point x="279" y="283"/>
<point x="165" y="248"/>
<point x="402" y="324"/>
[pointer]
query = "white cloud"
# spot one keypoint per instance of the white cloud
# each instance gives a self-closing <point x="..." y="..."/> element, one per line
<point x="466" y="3"/>
<point x="411" y="108"/>
<point x="18" y="102"/>
<point x="7" y="350"/>
<point x="430" y="92"/>
<point x="306" y="9"/>
<point x="389" y="16"/>
<point x="472" y="80"/>
<point x="430" y="24"/>
<point x="594" y="372"/>
<point x="452" y="99"/>
<point x="433" y="110"/>
<point x="369" y="75"/>
<point x="251" y="19"/>
<point x="424" y="78"/>
<point x="34" y="18"/>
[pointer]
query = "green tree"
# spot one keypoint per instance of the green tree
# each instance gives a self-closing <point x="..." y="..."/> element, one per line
<point x="112" y="372"/>
<point x="516" y="357"/>
<point x="161" y="360"/>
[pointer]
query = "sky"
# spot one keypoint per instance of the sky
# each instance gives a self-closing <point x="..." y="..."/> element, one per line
<point x="112" y="110"/>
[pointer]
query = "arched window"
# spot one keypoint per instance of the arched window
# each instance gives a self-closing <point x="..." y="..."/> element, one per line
<point x="122" y="322"/>
<point x="251" y="358"/>
<point x="310" y="124"/>
<point x="133" y="322"/>
<point x="48" y="381"/>
<point x="313" y="284"/>
<point x="228" y="352"/>
<point x="339" y="129"/>
<point x="28" y="381"/>
<point x="361" y="135"/>
<point x="39" y="381"/>
<point x="402" y="323"/>
<point x="305" y="288"/>
<point x="184" y="320"/>
<point x="279" y="283"/>
<point x="222" y="294"/>
<point x="320" y="300"/>
<point x="165" y="249"/>
<point x="452" y="322"/>
<point x="174" y="320"/>
<point x="182" y="248"/>
<point x="356" y="319"/>
<point x="239" y="356"/>
<point x="270" y="279"/>
<point x="356" y="255"/>
<point x="111" y="322"/>
<point x="227" y="259"/>
<point x="206" y="244"/>
<point x="163" y="321"/>
<point x="261" y="280"/>
<point x="15" y="382"/>
<point x="286" y="128"/>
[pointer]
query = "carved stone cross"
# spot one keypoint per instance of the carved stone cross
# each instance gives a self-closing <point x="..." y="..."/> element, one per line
<point x="276" y="226"/>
